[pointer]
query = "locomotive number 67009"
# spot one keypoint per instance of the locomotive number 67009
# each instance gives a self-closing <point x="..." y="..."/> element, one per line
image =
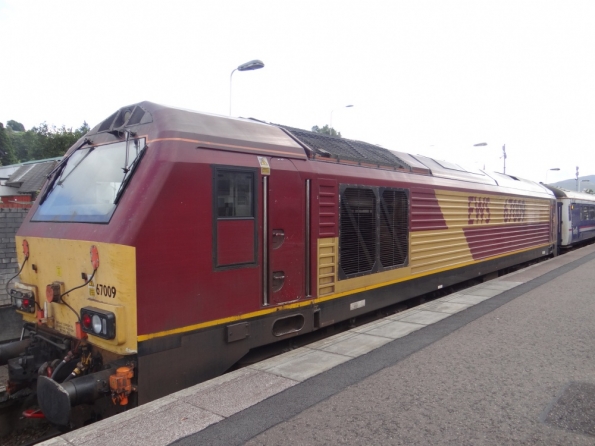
<point x="105" y="290"/>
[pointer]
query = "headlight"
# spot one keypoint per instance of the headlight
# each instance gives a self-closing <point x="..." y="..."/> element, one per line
<point x="98" y="322"/>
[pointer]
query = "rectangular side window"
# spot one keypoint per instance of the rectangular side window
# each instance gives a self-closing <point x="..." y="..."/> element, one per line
<point x="234" y="222"/>
<point x="235" y="194"/>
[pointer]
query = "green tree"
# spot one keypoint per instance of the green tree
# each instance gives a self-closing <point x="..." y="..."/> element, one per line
<point x="326" y="130"/>
<point x="24" y="143"/>
<point x="6" y="151"/>
<point x="54" y="141"/>
<point x="590" y="191"/>
<point x="16" y="126"/>
<point x="43" y="141"/>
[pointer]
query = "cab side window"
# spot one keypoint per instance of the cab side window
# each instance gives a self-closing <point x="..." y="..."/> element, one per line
<point x="235" y="239"/>
<point x="235" y="194"/>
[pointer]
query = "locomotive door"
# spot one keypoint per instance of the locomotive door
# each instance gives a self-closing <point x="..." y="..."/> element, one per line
<point x="284" y="233"/>
<point x="559" y="234"/>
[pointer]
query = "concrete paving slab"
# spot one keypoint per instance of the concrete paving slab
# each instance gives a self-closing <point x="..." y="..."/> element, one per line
<point x="500" y="284"/>
<point x="476" y="291"/>
<point x="245" y="391"/>
<point x="128" y="416"/>
<point x="395" y="329"/>
<point x="354" y="344"/>
<point x="276" y="361"/>
<point x="468" y="300"/>
<point x="156" y="428"/>
<point x="56" y="441"/>
<point x="425" y="317"/>
<point x="372" y="325"/>
<point x="450" y="297"/>
<point x="323" y="343"/>
<point x="304" y="364"/>
<point x="210" y="384"/>
<point x="448" y="307"/>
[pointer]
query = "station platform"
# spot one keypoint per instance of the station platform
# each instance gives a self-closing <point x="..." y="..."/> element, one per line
<point x="510" y="361"/>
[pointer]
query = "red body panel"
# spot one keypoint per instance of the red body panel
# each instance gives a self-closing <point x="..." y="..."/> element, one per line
<point x="235" y="242"/>
<point x="426" y="214"/>
<point x="490" y="241"/>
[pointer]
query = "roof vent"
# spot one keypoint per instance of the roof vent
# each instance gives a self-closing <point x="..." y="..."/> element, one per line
<point x="125" y="117"/>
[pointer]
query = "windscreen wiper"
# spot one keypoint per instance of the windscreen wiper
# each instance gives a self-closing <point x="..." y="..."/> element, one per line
<point x="129" y="170"/>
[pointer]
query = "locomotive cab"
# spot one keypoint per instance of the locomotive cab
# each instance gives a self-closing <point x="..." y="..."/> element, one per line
<point x="77" y="287"/>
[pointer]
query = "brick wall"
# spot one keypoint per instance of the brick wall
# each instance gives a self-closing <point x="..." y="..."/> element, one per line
<point x="10" y="221"/>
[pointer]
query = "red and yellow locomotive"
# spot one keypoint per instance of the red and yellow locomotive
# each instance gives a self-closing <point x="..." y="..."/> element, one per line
<point x="167" y="244"/>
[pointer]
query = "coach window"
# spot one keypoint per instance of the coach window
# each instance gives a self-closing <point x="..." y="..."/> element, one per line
<point x="234" y="228"/>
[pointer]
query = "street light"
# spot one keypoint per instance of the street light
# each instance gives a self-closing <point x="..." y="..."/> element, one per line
<point x="248" y="66"/>
<point x="481" y="144"/>
<point x="548" y="171"/>
<point x="504" y="157"/>
<point x="331" y="120"/>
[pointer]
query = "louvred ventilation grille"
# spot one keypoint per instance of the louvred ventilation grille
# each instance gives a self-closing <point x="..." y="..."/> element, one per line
<point x="358" y="230"/>
<point x="394" y="228"/>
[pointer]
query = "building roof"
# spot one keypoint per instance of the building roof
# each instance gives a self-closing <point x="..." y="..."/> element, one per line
<point x="29" y="178"/>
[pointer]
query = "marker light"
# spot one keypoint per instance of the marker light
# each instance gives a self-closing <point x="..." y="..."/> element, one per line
<point x="86" y="319"/>
<point x="23" y="300"/>
<point x="98" y="322"/>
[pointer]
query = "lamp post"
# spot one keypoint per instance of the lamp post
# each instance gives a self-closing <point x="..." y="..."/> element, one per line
<point x="330" y="126"/>
<point x="548" y="171"/>
<point x="248" y="66"/>
<point x="504" y="157"/>
<point x="481" y="144"/>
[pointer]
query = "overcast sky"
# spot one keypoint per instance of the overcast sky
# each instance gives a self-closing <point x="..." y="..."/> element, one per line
<point x="427" y="77"/>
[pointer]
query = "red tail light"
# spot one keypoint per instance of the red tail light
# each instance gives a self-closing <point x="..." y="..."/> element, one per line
<point x="86" y="321"/>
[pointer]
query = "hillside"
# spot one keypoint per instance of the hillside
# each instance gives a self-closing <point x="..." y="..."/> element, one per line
<point x="589" y="183"/>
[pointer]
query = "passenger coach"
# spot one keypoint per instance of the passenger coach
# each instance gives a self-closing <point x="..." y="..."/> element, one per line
<point x="576" y="216"/>
<point x="169" y="243"/>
